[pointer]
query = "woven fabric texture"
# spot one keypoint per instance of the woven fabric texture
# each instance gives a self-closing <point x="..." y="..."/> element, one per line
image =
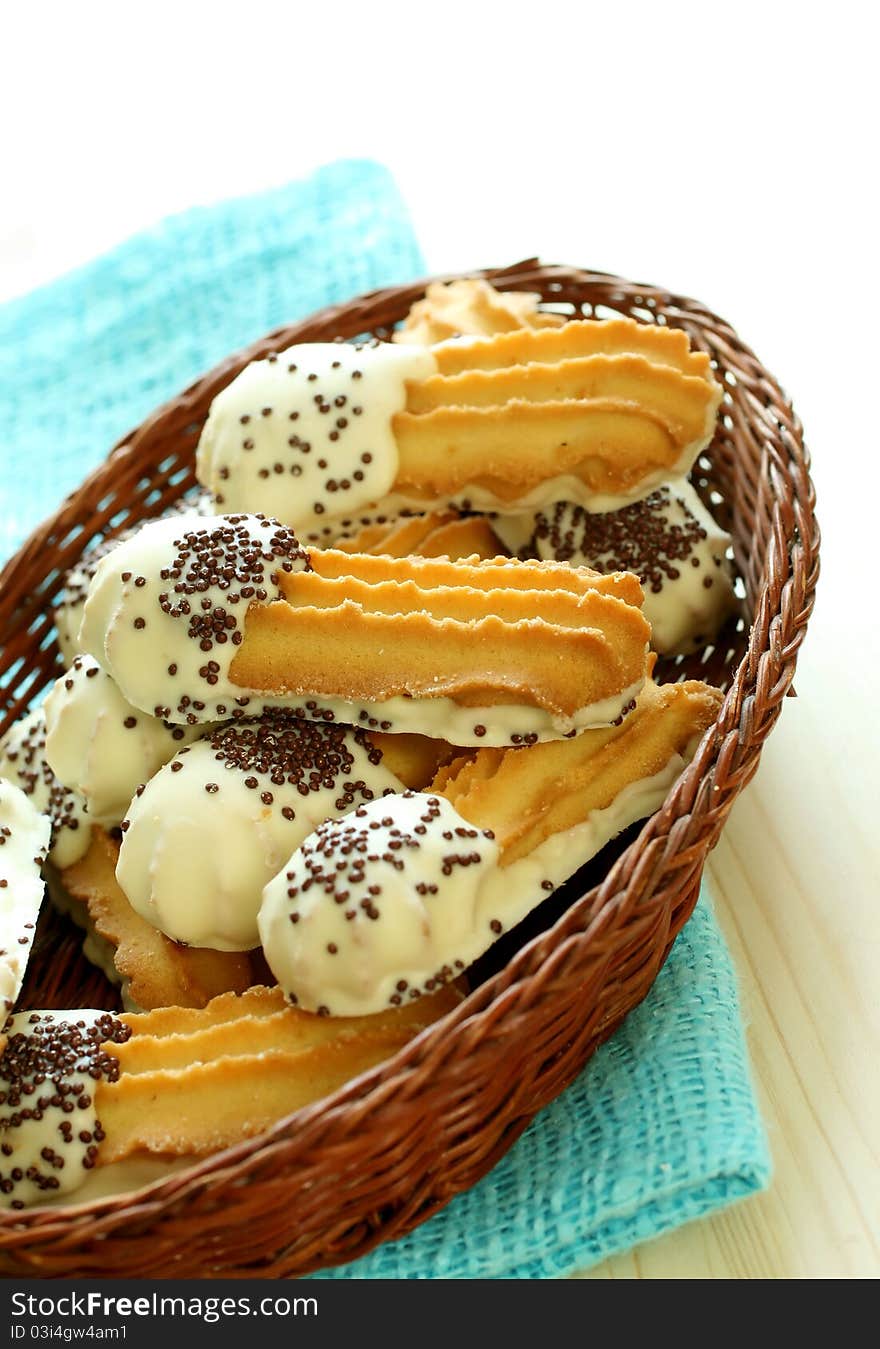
<point x="662" y="1126"/>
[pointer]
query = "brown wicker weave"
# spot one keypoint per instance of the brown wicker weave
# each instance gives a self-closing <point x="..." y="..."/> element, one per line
<point x="388" y="1150"/>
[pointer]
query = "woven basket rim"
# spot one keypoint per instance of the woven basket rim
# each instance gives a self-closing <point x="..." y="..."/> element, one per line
<point x="607" y="903"/>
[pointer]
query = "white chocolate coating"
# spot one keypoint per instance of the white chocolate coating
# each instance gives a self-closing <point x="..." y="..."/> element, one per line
<point x="376" y="905"/>
<point x="669" y="540"/>
<point x="125" y="1177"/>
<point x="24" y="842"/>
<point x="102" y="747"/>
<point x="307" y="433"/>
<point x="49" y="1130"/>
<point x="209" y="830"/>
<point x="405" y="894"/>
<point x="444" y="719"/>
<point x="23" y="762"/>
<point x="563" y="487"/>
<point x="165" y="611"/>
<point x="71" y="601"/>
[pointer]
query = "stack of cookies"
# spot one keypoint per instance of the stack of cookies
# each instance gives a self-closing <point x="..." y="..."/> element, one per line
<point x="334" y="726"/>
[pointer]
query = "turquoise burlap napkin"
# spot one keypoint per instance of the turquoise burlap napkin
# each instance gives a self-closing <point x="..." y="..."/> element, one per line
<point x="662" y="1126"/>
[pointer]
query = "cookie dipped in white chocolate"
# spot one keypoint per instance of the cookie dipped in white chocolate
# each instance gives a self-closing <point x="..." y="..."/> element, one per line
<point x="101" y="746"/>
<point x="71" y="601"/>
<point x="593" y="412"/>
<point x="24" y="842"/>
<point x="377" y="908"/>
<point x="669" y="540"/>
<point x="23" y="762"/>
<point x="165" y="611"/>
<point x="306" y="433"/>
<point x="405" y="894"/>
<point x="206" y="833"/>
<point x="49" y="1129"/>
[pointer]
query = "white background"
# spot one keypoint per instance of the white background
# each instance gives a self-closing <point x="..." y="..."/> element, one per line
<point x="724" y="151"/>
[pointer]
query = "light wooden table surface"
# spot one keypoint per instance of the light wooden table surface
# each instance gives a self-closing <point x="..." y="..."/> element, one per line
<point x="795" y="876"/>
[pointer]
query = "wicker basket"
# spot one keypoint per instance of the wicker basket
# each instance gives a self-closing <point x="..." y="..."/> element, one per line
<point x="391" y="1148"/>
